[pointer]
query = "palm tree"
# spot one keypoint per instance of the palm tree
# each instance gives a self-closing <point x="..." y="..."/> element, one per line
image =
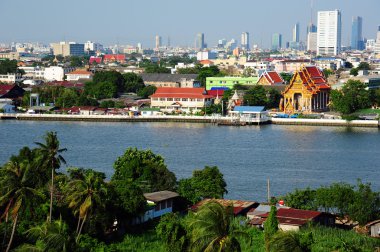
<point x="291" y="242"/>
<point x="84" y="194"/>
<point x="212" y="230"/>
<point x="52" y="159"/>
<point x="52" y="236"/>
<point x="18" y="192"/>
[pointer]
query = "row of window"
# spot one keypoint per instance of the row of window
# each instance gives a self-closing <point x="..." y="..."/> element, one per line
<point x="163" y="205"/>
<point x="178" y="99"/>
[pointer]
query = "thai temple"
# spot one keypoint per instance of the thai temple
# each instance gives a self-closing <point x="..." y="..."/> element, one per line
<point x="308" y="91"/>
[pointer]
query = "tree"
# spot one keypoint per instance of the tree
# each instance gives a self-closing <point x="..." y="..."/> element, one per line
<point x="364" y="66"/>
<point x="18" y="192"/>
<point x="155" y="68"/>
<point x="76" y="61"/>
<point x="68" y="98"/>
<point x="327" y="72"/>
<point x="171" y="230"/>
<point x="348" y="65"/>
<point x="301" y="199"/>
<point x="205" y="72"/>
<point x="270" y="227"/>
<point x="107" y="104"/>
<point x="286" y="76"/>
<point x="353" y="96"/>
<point x="354" y="71"/>
<point x="8" y="66"/>
<point x="147" y="91"/>
<point x="84" y="194"/>
<point x="256" y="96"/>
<point x="274" y="98"/>
<point x="51" y="154"/>
<point x="145" y="169"/>
<point x="113" y="77"/>
<point x="53" y="236"/>
<point x="101" y="90"/>
<point x="212" y="230"/>
<point x="291" y="242"/>
<point x="133" y="82"/>
<point x="206" y="183"/>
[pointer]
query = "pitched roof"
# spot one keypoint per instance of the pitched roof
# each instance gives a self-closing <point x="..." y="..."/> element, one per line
<point x="312" y="77"/>
<point x="160" y="196"/>
<point x="163" y="77"/>
<point x="6" y="88"/>
<point x="114" y="57"/>
<point x="293" y="213"/>
<point x="216" y="92"/>
<point x="238" y="205"/>
<point x="172" y="92"/>
<point x="272" y="77"/>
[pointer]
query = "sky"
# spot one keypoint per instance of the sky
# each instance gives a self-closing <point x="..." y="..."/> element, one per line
<point x="132" y="21"/>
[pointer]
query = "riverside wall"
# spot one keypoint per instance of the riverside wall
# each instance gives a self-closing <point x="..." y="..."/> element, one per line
<point x="187" y="119"/>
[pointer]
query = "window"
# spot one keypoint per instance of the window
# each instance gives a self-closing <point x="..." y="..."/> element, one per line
<point x="169" y="99"/>
<point x="162" y="99"/>
<point x="177" y="99"/>
<point x="200" y="100"/>
<point x="184" y="99"/>
<point x="155" y="99"/>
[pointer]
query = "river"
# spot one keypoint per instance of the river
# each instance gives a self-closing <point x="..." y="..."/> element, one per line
<point x="290" y="156"/>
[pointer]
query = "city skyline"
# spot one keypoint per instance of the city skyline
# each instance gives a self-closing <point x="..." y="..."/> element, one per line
<point x="126" y="26"/>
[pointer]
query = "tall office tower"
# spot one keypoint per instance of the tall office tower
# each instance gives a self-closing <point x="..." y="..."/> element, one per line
<point x="311" y="28"/>
<point x="68" y="49"/>
<point x="296" y="33"/>
<point x="158" y="41"/>
<point x="276" y="41"/>
<point x="357" y="42"/>
<point x="377" y="44"/>
<point x="245" y="41"/>
<point x="200" y="41"/>
<point x="312" y="41"/>
<point x="329" y="38"/>
<point x="222" y="43"/>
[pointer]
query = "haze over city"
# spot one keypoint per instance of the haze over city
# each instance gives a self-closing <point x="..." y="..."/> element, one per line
<point x="130" y="22"/>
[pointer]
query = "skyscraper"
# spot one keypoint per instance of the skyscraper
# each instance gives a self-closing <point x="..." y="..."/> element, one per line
<point x="377" y="44"/>
<point x="311" y="28"/>
<point x="296" y="33"/>
<point x="357" y="42"/>
<point x="200" y="41"/>
<point x="158" y="42"/>
<point x="276" y="41"/>
<point x="245" y="41"/>
<point x="329" y="34"/>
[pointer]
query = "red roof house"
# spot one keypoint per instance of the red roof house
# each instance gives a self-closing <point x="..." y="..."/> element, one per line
<point x="270" y="78"/>
<point x="108" y="58"/>
<point x="11" y="91"/>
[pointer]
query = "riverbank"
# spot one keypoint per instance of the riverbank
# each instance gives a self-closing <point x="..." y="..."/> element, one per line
<point x="187" y="119"/>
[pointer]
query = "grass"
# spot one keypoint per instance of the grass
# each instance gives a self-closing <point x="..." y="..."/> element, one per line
<point x="368" y="111"/>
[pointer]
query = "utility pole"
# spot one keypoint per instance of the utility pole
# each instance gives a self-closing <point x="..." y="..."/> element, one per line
<point x="268" y="190"/>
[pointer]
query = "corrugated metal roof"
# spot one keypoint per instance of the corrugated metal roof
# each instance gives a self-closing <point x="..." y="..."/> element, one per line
<point x="249" y="108"/>
<point x="162" y="77"/>
<point x="160" y="196"/>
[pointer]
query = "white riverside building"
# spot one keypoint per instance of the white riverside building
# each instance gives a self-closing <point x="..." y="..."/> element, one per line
<point x="329" y="33"/>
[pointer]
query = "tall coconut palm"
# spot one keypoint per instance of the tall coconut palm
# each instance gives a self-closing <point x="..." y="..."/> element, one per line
<point x="212" y="229"/>
<point x="52" y="159"/>
<point x="84" y="195"/>
<point x="18" y="192"/>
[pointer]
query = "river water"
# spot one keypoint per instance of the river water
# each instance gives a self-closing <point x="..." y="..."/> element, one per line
<point x="290" y="156"/>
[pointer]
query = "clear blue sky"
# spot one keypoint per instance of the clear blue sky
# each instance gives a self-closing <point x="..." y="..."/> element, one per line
<point x="133" y="21"/>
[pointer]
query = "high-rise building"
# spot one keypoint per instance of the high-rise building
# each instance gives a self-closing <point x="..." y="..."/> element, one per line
<point x="222" y="43"/>
<point x="311" y="28"/>
<point x="312" y="41"/>
<point x="329" y="38"/>
<point x="68" y="49"/>
<point x="200" y="41"/>
<point x="158" y="42"/>
<point x="377" y="44"/>
<point x="245" y="41"/>
<point x="357" y="42"/>
<point x="92" y="46"/>
<point x="296" y="33"/>
<point x="276" y="41"/>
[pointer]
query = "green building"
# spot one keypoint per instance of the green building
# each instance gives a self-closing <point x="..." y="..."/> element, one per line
<point x="229" y="82"/>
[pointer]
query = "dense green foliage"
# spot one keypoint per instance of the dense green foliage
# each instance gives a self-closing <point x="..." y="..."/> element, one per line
<point x="206" y="183"/>
<point x="286" y="76"/>
<point x="9" y="66"/>
<point x="270" y="227"/>
<point x="145" y="169"/>
<point x="258" y="96"/>
<point x="353" y="96"/>
<point x="155" y="68"/>
<point x="172" y="231"/>
<point x="211" y="229"/>
<point x="358" y="203"/>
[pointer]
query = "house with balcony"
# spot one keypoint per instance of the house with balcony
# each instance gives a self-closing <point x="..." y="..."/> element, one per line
<point x="189" y="100"/>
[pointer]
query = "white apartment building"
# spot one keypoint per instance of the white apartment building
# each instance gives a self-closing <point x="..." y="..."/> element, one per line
<point x="10" y="78"/>
<point x="329" y="34"/>
<point x="56" y="73"/>
<point x="312" y="41"/>
<point x="33" y="72"/>
<point x="92" y="46"/>
<point x="377" y="44"/>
